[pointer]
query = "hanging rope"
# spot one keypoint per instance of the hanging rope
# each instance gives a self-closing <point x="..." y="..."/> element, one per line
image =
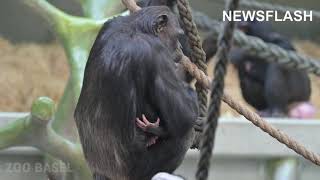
<point x="204" y="22"/>
<point x="217" y="87"/>
<point x="205" y="81"/>
<point x="198" y="55"/>
<point x="252" y="116"/>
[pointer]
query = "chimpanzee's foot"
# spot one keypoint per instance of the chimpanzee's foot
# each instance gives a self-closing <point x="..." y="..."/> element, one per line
<point x="145" y="124"/>
<point x="152" y="128"/>
<point x="302" y="110"/>
<point x="149" y="127"/>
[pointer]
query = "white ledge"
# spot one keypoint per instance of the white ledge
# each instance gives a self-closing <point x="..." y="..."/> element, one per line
<point x="235" y="137"/>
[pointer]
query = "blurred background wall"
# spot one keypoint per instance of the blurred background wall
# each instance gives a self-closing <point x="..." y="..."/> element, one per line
<point x="19" y="23"/>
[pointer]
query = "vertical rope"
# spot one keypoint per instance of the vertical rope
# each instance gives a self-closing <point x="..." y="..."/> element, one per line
<point x="198" y="55"/>
<point x="224" y="44"/>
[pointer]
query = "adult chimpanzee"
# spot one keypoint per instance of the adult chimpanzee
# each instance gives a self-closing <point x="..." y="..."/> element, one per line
<point x="270" y="88"/>
<point x="130" y="76"/>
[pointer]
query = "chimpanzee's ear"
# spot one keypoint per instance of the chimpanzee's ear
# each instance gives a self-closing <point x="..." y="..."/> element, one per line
<point x="160" y="22"/>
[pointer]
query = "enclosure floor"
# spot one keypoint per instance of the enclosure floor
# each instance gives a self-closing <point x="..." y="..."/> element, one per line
<point x="29" y="70"/>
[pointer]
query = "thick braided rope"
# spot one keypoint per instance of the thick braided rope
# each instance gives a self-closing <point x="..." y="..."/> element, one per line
<point x="274" y="53"/>
<point x="205" y="81"/>
<point x="207" y="142"/>
<point x="198" y="55"/>
<point x="252" y="116"/>
<point x="257" y="47"/>
<point x="272" y="131"/>
<point x="204" y="22"/>
<point x="276" y="7"/>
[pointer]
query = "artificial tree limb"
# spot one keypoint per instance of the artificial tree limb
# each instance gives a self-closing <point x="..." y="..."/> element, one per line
<point x="76" y="33"/>
<point x="35" y="130"/>
<point x="10" y="135"/>
<point x="21" y="131"/>
<point x="64" y="113"/>
<point x="100" y="9"/>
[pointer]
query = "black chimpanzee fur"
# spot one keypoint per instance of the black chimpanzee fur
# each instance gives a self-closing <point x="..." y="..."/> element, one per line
<point x="269" y="87"/>
<point x="130" y="72"/>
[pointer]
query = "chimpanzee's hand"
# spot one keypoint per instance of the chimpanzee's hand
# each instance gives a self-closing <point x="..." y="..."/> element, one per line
<point x="153" y="128"/>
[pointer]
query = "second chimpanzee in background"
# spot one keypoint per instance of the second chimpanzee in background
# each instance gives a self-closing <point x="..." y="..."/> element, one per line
<point x="273" y="90"/>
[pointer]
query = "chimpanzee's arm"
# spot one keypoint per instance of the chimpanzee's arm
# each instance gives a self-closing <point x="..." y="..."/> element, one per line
<point x="175" y="101"/>
<point x="153" y="71"/>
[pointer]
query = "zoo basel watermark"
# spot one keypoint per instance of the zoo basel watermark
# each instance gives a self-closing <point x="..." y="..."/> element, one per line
<point x="268" y="15"/>
<point x="37" y="167"/>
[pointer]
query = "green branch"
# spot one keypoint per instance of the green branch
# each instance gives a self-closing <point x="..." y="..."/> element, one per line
<point x="35" y="130"/>
<point x="40" y="129"/>
<point x="76" y="33"/>
<point x="99" y="9"/>
<point x="11" y="133"/>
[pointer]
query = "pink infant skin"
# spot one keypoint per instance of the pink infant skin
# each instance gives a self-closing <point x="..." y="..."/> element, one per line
<point x="303" y="110"/>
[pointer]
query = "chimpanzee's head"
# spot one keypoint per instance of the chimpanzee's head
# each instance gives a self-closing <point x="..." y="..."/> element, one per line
<point x="162" y="23"/>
